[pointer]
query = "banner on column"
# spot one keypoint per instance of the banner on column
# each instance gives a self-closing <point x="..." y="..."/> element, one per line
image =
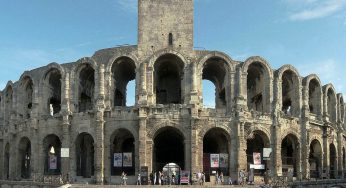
<point x="223" y="161"/>
<point x="214" y="160"/>
<point x="65" y="152"/>
<point x="266" y="153"/>
<point x="53" y="162"/>
<point x="127" y="159"/>
<point x="256" y="158"/>
<point x="118" y="160"/>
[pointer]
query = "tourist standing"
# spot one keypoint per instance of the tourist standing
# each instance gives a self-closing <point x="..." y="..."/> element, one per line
<point x="139" y="179"/>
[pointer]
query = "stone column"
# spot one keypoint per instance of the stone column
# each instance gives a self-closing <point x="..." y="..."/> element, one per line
<point x="325" y="152"/>
<point x="65" y="108"/>
<point x="339" y="155"/>
<point x="276" y="145"/>
<point x="99" y="131"/>
<point x="194" y="78"/>
<point x="195" y="165"/>
<point x="142" y="132"/>
<point x="305" y="126"/>
<point x="142" y="94"/>
<point x="239" y="145"/>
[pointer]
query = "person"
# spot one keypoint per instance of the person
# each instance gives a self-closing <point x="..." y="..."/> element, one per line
<point x="154" y="182"/>
<point x="221" y="177"/>
<point x="123" y="178"/>
<point x="230" y="180"/>
<point x="203" y="178"/>
<point x="199" y="178"/>
<point x="217" y="178"/>
<point x="251" y="176"/>
<point x="151" y="178"/>
<point x="173" y="178"/>
<point x="162" y="182"/>
<point x="139" y="179"/>
<point x="241" y="177"/>
<point x="159" y="177"/>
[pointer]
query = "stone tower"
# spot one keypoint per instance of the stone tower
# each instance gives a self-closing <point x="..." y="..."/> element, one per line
<point x="163" y="24"/>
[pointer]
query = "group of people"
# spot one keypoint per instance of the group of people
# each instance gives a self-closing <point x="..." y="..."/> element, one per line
<point x="246" y="177"/>
<point x="158" y="178"/>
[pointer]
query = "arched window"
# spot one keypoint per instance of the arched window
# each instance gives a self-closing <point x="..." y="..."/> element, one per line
<point x="53" y="91"/>
<point x="86" y="88"/>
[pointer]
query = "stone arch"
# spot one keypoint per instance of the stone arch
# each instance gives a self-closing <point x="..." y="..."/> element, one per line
<point x="52" y="154"/>
<point x="27" y="87"/>
<point x="210" y="126"/>
<point x="332" y="161"/>
<point x="84" y="146"/>
<point x="313" y="94"/>
<point x="48" y="68"/>
<point x="168" y="147"/>
<point x="123" y="69"/>
<point x="216" y="68"/>
<point x="289" y="94"/>
<point x="52" y="87"/>
<point x="122" y="143"/>
<point x="330" y="100"/>
<point x="290" y="156"/>
<point x="216" y="54"/>
<point x="315" y="158"/>
<point x="216" y="141"/>
<point x="151" y="133"/>
<point x="24" y="158"/>
<point x="251" y="128"/>
<point x="152" y="60"/>
<point x="85" y="74"/>
<point x="258" y="84"/>
<point x="113" y="60"/>
<point x="8" y="102"/>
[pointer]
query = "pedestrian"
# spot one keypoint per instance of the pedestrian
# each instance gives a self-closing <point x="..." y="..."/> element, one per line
<point x="173" y="178"/>
<point x="123" y="178"/>
<point x="139" y="179"/>
<point x="159" y="177"/>
<point x="154" y="178"/>
<point x="230" y="180"/>
<point x="199" y="178"/>
<point x="151" y="178"/>
<point x="203" y="178"/>
<point x="221" y="177"/>
<point x="241" y="177"/>
<point x="217" y="178"/>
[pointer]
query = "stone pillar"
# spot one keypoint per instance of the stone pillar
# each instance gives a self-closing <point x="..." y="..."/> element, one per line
<point x="195" y="165"/>
<point x="99" y="131"/>
<point x="142" y="132"/>
<point x="276" y="145"/>
<point x="143" y="85"/>
<point x="339" y="155"/>
<point x="239" y="145"/>
<point x="194" y="98"/>
<point x="325" y="152"/>
<point x="305" y="126"/>
<point x="65" y="161"/>
<point x="187" y="143"/>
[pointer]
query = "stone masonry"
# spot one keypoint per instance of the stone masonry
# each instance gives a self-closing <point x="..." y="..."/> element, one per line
<point x="81" y="107"/>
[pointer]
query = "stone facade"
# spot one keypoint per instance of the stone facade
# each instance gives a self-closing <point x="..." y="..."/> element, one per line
<point x="82" y="106"/>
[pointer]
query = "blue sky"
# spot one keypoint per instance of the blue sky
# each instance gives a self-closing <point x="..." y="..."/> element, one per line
<point x="309" y="34"/>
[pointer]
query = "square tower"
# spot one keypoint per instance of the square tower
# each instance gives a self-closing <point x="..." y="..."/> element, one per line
<point x="165" y="23"/>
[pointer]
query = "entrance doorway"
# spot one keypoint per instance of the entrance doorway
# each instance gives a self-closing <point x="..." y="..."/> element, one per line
<point x="289" y="155"/>
<point x="168" y="148"/>
<point x="315" y="159"/>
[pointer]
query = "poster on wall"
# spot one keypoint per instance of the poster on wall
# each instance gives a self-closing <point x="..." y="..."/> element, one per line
<point x="256" y="158"/>
<point x="214" y="160"/>
<point x="53" y="161"/>
<point x="266" y="153"/>
<point x="118" y="159"/>
<point x="223" y="161"/>
<point x="127" y="159"/>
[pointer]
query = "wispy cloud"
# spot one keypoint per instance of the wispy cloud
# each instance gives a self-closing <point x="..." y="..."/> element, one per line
<point x="329" y="71"/>
<point x="128" y="5"/>
<point x="314" y="9"/>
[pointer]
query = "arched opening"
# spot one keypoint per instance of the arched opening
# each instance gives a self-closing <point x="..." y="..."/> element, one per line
<point x="168" y="71"/>
<point x="315" y="159"/>
<point x="314" y="97"/>
<point x="289" y="154"/>
<point x="27" y="86"/>
<point x="7" y="161"/>
<point x="52" y="153"/>
<point x="216" y="152"/>
<point x="53" y="84"/>
<point x="25" y="157"/>
<point x="85" y="155"/>
<point x="290" y="94"/>
<point x="168" y="148"/>
<point x="256" y="88"/>
<point x="332" y="161"/>
<point x="254" y="149"/>
<point x="122" y="152"/>
<point x="331" y="102"/>
<point x="8" y="104"/>
<point x="86" y="88"/>
<point x="208" y="92"/>
<point x="215" y="70"/>
<point x="124" y="72"/>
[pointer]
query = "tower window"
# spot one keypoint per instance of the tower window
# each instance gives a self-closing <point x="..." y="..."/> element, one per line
<point x="170" y="39"/>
